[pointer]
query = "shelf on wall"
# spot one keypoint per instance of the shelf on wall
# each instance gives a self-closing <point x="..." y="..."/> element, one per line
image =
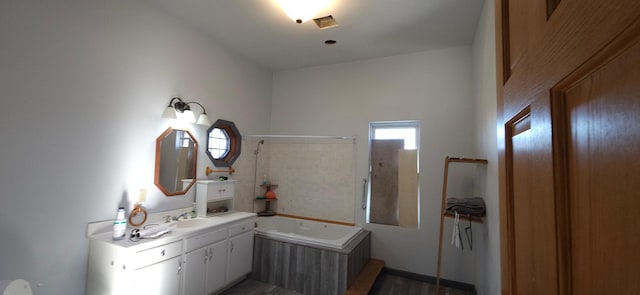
<point x="472" y="218"/>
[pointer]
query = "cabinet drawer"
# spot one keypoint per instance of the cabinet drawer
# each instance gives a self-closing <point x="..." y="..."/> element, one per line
<point x="157" y="254"/>
<point x="241" y="227"/>
<point x="222" y="190"/>
<point x="205" y="239"/>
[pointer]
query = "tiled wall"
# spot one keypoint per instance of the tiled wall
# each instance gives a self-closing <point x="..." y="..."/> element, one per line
<point x="316" y="178"/>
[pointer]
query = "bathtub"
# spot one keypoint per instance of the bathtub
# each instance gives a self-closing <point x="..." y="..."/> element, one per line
<point x="306" y="232"/>
<point x="307" y="256"/>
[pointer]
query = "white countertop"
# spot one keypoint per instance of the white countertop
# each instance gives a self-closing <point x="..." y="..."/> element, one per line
<point x="101" y="231"/>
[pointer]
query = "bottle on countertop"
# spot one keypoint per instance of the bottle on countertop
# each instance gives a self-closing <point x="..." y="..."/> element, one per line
<point x="119" y="225"/>
<point x="194" y="210"/>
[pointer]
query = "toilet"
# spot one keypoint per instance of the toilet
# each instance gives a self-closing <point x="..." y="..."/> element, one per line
<point x="15" y="287"/>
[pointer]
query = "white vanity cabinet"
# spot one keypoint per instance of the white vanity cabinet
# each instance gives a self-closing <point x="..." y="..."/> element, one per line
<point x="129" y="270"/>
<point x="205" y="262"/>
<point x="211" y="191"/>
<point x="146" y="280"/>
<point x="215" y="190"/>
<point x="191" y="260"/>
<point x="240" y="254"/>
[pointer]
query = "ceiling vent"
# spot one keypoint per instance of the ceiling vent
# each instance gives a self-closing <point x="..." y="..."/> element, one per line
<point x="325" y="22"/>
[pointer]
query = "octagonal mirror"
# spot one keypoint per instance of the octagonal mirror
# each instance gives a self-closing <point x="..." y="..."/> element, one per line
<point x="176" y="153"/>
<point x="223" y="143"/>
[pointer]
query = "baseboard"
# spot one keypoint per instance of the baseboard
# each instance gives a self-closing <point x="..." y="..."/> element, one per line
<point x="430" y="279"/>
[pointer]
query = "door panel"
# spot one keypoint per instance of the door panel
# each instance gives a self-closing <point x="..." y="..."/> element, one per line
<point x="603" y="123"/>
<point x="570" y="182"/>
<point x="532" y="228"/>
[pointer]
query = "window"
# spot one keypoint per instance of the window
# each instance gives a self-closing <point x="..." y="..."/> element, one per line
<point x="218" y="143"/>
<point x="223" y="143"/>
<point x="393" y="173"/>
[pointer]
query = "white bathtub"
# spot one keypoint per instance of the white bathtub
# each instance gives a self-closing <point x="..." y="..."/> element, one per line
<point x="306" y="232"/>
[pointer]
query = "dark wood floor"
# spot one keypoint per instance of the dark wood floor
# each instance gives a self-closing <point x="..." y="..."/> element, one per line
<point x="389" y="284"/>
<point x="253" y="287"/>
<point x="386" y="284"/>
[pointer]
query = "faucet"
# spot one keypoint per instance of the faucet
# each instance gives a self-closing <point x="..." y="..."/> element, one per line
<point x="170" y="218"/>
<point x="183" y="216"/>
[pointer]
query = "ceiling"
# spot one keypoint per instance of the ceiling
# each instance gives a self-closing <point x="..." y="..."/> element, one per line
<point x="260" y="31"/>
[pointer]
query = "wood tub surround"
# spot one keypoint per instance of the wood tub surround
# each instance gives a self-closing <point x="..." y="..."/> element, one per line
<point x="310" y="269"/>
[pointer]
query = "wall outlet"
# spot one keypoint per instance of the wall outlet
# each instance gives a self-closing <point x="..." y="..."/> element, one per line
<point x="142" y="195"/>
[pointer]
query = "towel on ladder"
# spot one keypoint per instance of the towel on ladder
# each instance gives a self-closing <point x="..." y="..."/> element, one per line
<point x="467" y="206"/>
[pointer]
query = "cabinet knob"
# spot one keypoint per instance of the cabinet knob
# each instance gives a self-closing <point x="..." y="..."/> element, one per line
<point x="162" y="253"/>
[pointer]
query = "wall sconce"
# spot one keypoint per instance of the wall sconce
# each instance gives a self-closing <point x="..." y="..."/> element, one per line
<point x="178" y="108"/>
<point x="301" y="11"/>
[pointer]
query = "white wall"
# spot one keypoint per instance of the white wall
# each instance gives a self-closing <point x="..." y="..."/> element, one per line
<point x="487" y="267"/>
<point x="82" y="86"/>
<point x="434" y="87"/>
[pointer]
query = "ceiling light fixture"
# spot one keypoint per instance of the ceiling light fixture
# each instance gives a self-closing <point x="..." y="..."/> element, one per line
<point x="178" y="109"/>
<point x="301" y="11"/>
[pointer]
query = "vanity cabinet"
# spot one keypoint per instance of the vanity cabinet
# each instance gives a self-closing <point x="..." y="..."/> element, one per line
<point x="120" y="270"/>
<point x="213" y="191"/>
<point x="145" y="280"/>
<point x="205" y="265"/>
<point x="195" y="261"/>
<point x="240" y="254"/>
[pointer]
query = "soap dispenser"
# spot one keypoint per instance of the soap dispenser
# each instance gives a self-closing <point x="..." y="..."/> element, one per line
<point x="119" y="225"/>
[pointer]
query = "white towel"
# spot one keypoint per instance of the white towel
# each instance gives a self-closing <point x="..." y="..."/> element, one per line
<point x="455" y="237"/>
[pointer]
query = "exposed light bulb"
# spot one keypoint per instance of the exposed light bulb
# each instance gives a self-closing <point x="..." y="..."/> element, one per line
<point x="187" y="116"/>
<point x="301" y="11"/>
<point x="169" y="113"/>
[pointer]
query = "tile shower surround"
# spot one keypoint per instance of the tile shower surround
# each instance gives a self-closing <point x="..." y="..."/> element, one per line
<point x="315" y="179"/>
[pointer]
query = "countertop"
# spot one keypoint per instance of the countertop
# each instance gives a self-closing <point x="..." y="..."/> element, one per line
<point x="102" y="231"/>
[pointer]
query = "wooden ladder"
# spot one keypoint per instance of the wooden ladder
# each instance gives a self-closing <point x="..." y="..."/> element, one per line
<point x="443" y="211"/>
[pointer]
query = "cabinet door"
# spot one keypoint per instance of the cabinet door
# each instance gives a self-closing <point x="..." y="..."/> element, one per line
<point x="226" y="190"/>
<point x="160" y="278"/>
<point x="216" y="266"/>
<point x="194" y="271"/>
<point x="240" y="256"/>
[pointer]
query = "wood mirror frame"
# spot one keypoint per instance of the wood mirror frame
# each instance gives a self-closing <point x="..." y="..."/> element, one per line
<point x="176" y="158"/>
<point x="233" y="143"/>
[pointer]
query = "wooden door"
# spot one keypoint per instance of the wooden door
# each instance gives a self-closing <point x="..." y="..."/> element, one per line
<point x="569" y="115"/>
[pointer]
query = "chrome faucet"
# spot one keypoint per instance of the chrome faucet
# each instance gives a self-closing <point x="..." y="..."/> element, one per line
<point x="170" y="218"/>
<point x="183" y="216"/>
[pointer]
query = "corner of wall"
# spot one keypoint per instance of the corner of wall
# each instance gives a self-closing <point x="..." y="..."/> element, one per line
<point x="487" y="268"/>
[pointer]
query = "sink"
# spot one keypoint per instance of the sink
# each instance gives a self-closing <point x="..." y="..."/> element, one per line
<point x="193" y="222"/>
